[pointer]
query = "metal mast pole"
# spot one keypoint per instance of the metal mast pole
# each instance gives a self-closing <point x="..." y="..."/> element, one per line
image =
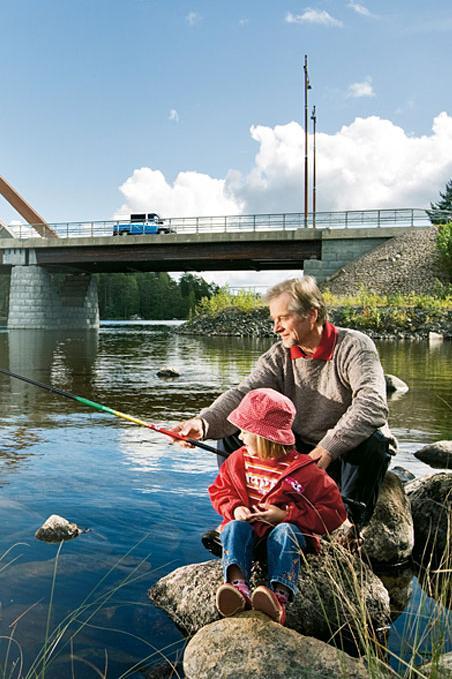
<point x="307" y="87"/>
<point x="314" y="167"/>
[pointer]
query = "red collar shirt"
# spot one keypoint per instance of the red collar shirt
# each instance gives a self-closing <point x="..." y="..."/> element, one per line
<point x="325" y="350"/>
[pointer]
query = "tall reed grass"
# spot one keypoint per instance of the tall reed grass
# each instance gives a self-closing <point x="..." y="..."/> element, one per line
<point x="427" y="630"/>
<point x="59" y="637"/>
<point x="426" y="633"/>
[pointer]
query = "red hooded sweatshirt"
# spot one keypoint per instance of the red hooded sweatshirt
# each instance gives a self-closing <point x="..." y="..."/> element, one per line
<point x="311" y="497"/>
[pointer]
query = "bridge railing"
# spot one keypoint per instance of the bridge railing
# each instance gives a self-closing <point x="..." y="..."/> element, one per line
<point x="403" y="217"/>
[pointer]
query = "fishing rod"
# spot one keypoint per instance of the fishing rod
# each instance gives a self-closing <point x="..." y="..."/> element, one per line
<point x="116" y="413"/>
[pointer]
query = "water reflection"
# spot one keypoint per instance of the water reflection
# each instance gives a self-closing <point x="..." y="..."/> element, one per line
<point x="399" y="583"/>
<point x="424" y="623"/>
<point x="128" y="484"/>
<point x="51" y="357"/>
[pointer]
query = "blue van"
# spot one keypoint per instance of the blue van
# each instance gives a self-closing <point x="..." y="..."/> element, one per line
<point x="142" y="224"/>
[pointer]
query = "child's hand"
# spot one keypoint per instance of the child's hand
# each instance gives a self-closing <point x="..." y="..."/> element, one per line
<point x="242" y="513"/>
<point x="269" y="514"/>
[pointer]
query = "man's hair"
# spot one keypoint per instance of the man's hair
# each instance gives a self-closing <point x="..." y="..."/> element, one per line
<point x="304" y="295"/>
<point x="266" y="449"/>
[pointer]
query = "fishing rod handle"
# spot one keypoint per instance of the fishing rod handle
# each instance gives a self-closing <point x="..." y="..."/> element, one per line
<point x="205" y="446"/>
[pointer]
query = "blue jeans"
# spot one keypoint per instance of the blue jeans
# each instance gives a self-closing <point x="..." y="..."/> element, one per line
<point x="283" y="544"/>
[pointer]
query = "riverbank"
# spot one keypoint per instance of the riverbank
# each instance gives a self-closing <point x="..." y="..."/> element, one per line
<point x="389" y="322"/>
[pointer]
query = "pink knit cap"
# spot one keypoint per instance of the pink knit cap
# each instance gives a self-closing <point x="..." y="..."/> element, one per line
<point x="267" y="413"/>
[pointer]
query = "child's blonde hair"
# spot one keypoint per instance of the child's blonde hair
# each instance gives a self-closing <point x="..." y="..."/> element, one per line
<point x="266" y="449"/>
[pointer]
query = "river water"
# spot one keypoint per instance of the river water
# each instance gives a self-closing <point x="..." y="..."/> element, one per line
<point x="143" y="499"/>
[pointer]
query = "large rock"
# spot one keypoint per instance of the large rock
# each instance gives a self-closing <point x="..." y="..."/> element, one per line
<point x="438" y="454"/>
<point x="395" y="384"/>
<point x="252" y="646"/>
<point x="56" y="528"/>
<point x="431" y="505"/>
<point x="399" y="583"/>
<point x="336" y="592"/>
<point x="168" y="371"/>
<point x="404" y="475"/>
<point x="389" y="536"/>
<point x="441" y="668"/>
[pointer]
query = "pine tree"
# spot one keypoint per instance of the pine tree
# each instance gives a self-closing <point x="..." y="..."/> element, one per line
<point x="441" y="212"/>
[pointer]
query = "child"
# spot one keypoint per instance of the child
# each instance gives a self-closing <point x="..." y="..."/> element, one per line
<point x="269" y="494"/>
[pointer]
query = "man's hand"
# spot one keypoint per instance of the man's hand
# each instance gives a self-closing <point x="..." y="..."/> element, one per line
<point x="321" y="456"/>
<point x="192" y="428"/>
<point x="269" y="514"/>
<point x="242" y="513"/>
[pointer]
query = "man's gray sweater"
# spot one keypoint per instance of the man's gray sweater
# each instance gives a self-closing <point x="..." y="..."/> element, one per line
<point x="340" y="402"/>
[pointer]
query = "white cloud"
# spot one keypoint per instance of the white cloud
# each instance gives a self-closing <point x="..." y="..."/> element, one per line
<point x="314" y="16"/>
<point x="173" y="115"/>
<point x="258" y="280"/>
<point x="193" y="18"/>
<point x="362" y="89"/>
<point x="370" y="163"/>
<point x="191" y="194"/>
<point x="243" y="22"/>
<point x="360" y="9"/>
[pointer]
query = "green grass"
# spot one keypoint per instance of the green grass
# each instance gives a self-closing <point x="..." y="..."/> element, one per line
<point x="250" y="301"/>
<point x="59" y="637"/>
<point x="225" y="299"/>
<point x="440" y="301"/>
<point x="346" y="575"/>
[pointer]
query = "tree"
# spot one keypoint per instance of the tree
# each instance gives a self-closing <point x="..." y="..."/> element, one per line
<point x="441" y="212"/>
<point x="193" y="288"/>
<point x="444" y="244"/>
<point x="150" y="295"/>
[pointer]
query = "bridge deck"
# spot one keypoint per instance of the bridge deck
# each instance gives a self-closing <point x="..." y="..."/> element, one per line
<point x="178" y="252"/>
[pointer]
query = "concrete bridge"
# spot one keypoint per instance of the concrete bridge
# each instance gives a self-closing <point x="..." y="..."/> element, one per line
<point x="41" y="299"/>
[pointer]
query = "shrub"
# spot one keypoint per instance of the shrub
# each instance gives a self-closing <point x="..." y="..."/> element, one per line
<point x="244" y="300"/>
<point x="444" y="244"/>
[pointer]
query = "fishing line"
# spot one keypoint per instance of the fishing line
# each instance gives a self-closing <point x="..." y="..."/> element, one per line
<point x="111" y="411"/>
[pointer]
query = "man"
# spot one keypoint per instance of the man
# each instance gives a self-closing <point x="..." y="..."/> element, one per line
<point x="335" y="379"/>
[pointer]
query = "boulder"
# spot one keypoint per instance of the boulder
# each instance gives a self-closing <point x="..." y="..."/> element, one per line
<point x="404" y="475"/>
<point x="438" y="454"/>
<point x="56" y="528"/>
<point x="336" y="592"/>
<point x="399" y="583"/>
<point x="395" y="384"/>
<point x="251" y="645"/>
<point x="431" y="505"/>
<point x="435" y="337"/>
<point x="442" y="667"/>
<point x="167" y="371"/>
<point x="389" y="536"/>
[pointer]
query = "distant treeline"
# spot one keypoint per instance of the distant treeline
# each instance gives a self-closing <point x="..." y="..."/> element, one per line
<point x="151" y="296"/>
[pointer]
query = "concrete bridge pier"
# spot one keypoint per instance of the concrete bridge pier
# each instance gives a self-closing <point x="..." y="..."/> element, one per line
<point x="39" y="299"/>
<point x="339" y="249"/>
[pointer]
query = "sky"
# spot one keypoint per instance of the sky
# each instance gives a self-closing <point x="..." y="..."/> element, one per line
<point x="195" y="107"/>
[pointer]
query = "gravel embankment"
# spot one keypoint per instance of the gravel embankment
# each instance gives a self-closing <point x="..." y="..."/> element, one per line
<point x="404" y="264"/>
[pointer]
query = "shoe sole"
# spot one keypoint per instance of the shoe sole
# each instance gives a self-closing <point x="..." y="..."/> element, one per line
<point x="230" y="601"/>
<point x="263" y="601"/>
<point x="212" y="542"/>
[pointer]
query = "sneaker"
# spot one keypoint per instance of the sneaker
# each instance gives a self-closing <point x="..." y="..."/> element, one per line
<point x="265" y="600"/>
<point x="231" y="600"/>
<point x="212" y="542"/>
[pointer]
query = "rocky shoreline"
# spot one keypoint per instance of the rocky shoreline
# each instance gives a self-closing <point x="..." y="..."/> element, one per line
<point x="388" y="323"/>
<point x="342" y="602"/>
